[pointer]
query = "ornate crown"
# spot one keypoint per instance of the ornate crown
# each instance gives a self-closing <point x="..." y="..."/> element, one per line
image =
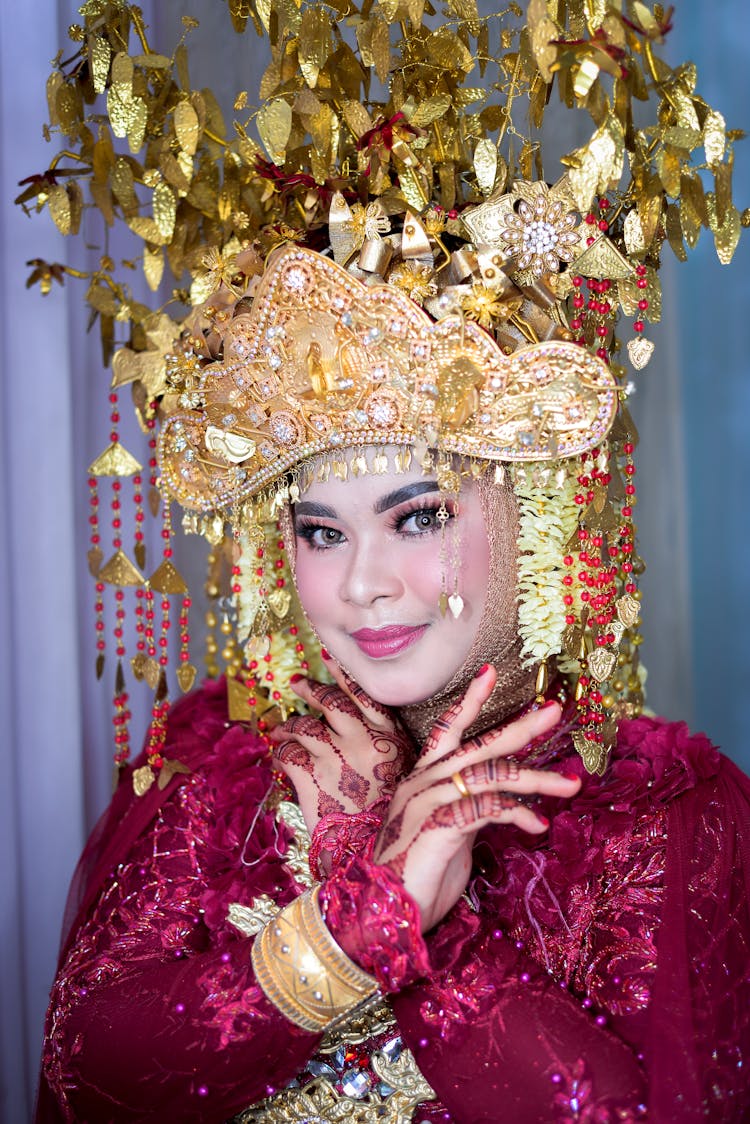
<point x="323" y="362"/>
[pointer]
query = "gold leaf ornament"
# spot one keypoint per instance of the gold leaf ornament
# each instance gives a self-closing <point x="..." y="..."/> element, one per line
<point x="543" y="31"/>
<point x="314" y="42"/>
<point x="429" y="110"/>
<point x="727" y="233"/>
<point x="152" y="672"/>
<point x="58" y="203"/>
<point x="593" y="755"/>
<point x="597" y="167"/>
<point x="628" y="610"/>
<point x="640" y="351"/>
<point x="187" y="127"/>
<point x="167" y="579"/>
<point x="714" y="137"/>
<point x="101" y="55"/>
<point x="485" y="165"/>
<point x="274" y="126"/>
<point x="171" y="768"/>
<point x="153" y="267"/>
<point x="279" y="600"/>
<point x="119" y="570"/>
<point x="165" y="210"/>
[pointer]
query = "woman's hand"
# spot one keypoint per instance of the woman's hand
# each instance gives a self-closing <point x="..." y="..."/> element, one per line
<point x="429" y="829"/>
<point x="353" y="754"/>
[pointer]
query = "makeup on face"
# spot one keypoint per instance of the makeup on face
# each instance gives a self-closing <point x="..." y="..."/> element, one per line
<point x="372" y="559"/>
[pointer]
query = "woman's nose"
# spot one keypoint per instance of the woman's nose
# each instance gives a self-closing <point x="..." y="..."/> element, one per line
<point x="370" y="575"/>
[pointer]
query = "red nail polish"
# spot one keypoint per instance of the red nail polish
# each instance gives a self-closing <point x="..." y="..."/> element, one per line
<point x="550" y="702"/>
<point x="542" y="820"/>
<point x="484" y="668"/>
<point x="296" y="677"/>
<point x="326" y="655"/>
<point x="570" y="776"/>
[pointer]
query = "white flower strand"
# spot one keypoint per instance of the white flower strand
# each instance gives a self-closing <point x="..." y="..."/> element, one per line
<point x="547" y="520"/>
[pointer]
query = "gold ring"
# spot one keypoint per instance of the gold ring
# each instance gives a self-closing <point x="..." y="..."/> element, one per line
<point x="460" y="784"/>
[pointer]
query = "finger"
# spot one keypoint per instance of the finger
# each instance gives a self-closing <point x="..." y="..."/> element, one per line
<point x="498" y="773"/>
<point x="501" y="742"/>
<point x="339" y="710"/>
<point x="472" y="813"/>
<point x="447" y="731"/>
<point x="310" y="732"/>
<point x="374" y="712"/>
<point x="290" y="755"/>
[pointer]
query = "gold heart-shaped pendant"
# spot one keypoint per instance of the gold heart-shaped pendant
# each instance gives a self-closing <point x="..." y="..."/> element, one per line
<point x="601" y="663"/>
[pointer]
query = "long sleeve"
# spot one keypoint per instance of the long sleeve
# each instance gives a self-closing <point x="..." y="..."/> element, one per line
<point x="155" y="1013"/>
<point x="495" y="1031"/>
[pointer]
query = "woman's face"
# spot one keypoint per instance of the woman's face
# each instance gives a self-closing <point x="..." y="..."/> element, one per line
<point x="369" y="570"/>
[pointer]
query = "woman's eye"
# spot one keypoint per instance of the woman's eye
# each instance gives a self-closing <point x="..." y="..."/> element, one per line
<point x="329" y="535"/>
<point x="320" y="538"/>
<point x="420" y="522"/>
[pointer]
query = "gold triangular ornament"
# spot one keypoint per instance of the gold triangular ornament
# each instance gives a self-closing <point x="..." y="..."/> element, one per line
<point x="120" y="571"/>
<point x="166" y="578"/>
<point x="602" y="260"/>
<point x="114" y="461"/>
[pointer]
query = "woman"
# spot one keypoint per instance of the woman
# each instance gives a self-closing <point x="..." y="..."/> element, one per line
<point x="466" y="879"/>
<point x="555" y="945"/>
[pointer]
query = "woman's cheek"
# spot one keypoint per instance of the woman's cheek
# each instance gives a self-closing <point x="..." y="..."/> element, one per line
<point x="421" y="570"/>
<point x="316" y="585"/>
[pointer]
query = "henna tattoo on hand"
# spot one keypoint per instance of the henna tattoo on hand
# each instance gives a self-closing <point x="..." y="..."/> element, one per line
<point x="330" y="697"/>
<point x="328" y="804"/>
<point x="292" y="753"/>
<point x="353" y="785"/>
<point x="305" y="726"/>
<point x="388" y="774"/>
<point x="391" y="832"/>
<point x="491" y="772"/>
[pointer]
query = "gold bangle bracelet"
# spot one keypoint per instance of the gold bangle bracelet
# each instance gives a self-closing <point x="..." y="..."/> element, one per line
<point x="303" y="971"/>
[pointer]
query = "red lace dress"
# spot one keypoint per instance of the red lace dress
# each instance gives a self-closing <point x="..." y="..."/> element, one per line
<point x="602" y="974"/>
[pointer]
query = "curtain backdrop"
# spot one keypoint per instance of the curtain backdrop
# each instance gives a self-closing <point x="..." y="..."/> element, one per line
<point x="692" y="405"/>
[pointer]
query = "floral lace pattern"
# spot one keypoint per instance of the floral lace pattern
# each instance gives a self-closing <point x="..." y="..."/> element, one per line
<point x="566" y="987"/>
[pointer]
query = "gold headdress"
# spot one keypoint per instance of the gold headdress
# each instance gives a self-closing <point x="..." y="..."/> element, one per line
<point x="376" y="271"/>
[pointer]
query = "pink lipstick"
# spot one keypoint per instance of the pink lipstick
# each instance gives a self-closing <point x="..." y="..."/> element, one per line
<point x="379" y="643"/>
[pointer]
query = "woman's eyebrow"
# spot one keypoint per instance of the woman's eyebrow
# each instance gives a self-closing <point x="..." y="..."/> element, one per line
<point x="306" y="508"/>
<point x="408" y="492"/>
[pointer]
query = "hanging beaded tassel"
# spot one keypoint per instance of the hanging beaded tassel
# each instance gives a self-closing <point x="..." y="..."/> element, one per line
<point x="165" y="580"/>
<point x="119" y="571"/>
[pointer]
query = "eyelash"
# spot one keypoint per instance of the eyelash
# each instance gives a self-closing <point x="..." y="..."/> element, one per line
<point x="308" y="529"/>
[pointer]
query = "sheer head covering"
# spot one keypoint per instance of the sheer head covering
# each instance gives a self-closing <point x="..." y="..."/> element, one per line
<point x="497" y="641"/>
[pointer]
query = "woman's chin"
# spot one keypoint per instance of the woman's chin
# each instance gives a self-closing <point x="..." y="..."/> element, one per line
<point x="394" y="687"/>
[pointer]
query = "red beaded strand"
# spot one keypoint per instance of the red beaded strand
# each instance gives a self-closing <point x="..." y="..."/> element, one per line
<point x="643" y="304"/>
<point x="95" y="561"/>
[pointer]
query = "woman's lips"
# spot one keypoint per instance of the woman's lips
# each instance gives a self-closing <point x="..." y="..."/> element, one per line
<point x="378" y="643"/>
